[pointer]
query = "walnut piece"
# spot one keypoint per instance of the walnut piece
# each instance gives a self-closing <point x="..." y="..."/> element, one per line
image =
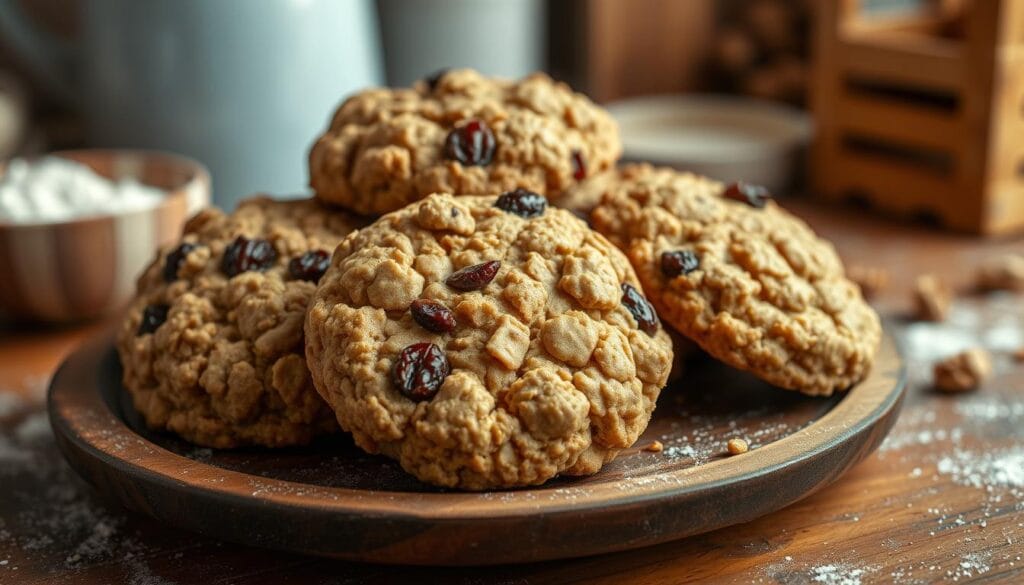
<point x="1005" y="272"/>
<point x="932" y="298"/>
<point x="964" y="371"/>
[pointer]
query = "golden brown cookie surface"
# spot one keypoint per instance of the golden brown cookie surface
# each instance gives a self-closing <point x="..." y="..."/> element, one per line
<point x="212" y="346"/>
<point x="461" y="133"/>
<point x="750" y="283"/>
<point x="485" y="342"/>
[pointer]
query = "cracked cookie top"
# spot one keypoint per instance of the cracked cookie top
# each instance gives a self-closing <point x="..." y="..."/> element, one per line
<point x="460" y="133"/>
<point x="750" y="283"/>
<point x="212" y="346"/>
<point x="486" y="342"/>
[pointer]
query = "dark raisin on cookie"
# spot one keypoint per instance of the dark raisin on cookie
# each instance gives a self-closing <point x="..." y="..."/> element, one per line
<point x="474" y="277"/>
<point x="309" y="266"/>
<point x="433" y="316"/>
<point x="153" y="316"/>
<point x="640" y="308"/>
<point x="753" y="195"/>
<point x="434" y="78"/>
<point x="419" y="371"/>
<point x="470" y="143"/>
<point x="522" y="202"/>
<point x="579" y="166"/>
<point x="175" y="259"/>
<point x="678" y="262"/>
<point x="244" y="255"/>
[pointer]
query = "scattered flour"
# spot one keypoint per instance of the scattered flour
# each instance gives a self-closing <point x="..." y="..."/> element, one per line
<point x="971" y="565"/>
<point x="35" y="427"/>
<point x="10" y="403"/>
<point x="680" y="452"/>
<point x="986" y="408"/>
<point x="836" y="574"/>
<point x="1005" y="469"/>
<point x="64" y="522"/>
<point x="925" y="342"/>
<point x="57" y="189"/>
<point x="1003" y="337"/>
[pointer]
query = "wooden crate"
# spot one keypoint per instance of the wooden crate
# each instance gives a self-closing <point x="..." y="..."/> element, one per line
<point x="919" y="122"/>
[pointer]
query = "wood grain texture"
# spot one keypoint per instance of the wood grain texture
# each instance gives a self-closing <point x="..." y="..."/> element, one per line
<point x="881" y="520"/>
<point x="645" y="46"/>
<point x="638" y="500"/>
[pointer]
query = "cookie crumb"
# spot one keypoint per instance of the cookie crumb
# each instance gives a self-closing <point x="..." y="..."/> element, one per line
<point x="737" y="446"/>
<point x="871" y="279"/>
<point x="964" y="371"/>
<point x="654" y="447"/>
<point x="932" y="298"/>
<point x="1003" y="272"/>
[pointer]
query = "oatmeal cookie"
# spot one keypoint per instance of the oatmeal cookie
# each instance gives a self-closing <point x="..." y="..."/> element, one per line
<point x="212" y="347"/>
<point x="750" y="283"/>
<point x="486" y="342"/>
<point x="461" y="133"/>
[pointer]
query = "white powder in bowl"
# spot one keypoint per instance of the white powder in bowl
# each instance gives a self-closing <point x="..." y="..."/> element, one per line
<point x="57" y="189"/>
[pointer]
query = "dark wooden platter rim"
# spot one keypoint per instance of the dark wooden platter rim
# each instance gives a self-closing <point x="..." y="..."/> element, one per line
<point x="453" y="528"/>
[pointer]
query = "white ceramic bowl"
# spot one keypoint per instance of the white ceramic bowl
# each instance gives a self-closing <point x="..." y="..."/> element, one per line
<point x="724" y="137"/>
<point x="85" y="267"/>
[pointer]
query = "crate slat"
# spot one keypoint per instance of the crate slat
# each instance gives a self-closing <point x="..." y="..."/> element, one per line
<point x="918" y="122"/>
<point x="912" y="189"/>
<point x="916" y="125"/>
<point x="939" y="67"/>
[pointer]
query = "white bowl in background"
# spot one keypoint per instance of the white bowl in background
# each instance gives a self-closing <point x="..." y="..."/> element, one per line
<point x="724" y="137"/>
<point x="86" y="267"/>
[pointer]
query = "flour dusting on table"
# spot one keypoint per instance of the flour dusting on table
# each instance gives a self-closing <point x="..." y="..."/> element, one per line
<point x="67" y="518"/>
<point x="836" y="575"/>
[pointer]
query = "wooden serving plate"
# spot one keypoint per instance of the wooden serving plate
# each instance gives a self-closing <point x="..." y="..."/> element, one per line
<point x="333" y="500"/>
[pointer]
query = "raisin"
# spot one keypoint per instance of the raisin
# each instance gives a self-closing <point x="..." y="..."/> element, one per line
<point x="309" y="266"/>
<point x="434" y="78"/>
<point x="579" y="166"/>
<point x="432" y="315"/>
<point x="753" y="195"/>
<point x="420" y="370"/>
<point x="640" y="308"/>
<point x="522" y="203"/>
<point x="474" y="277"/>
<point x="244" y="254"/>
<point x="153" y="316"/>
<point x="174" y="260"/>
<point x="471" y="143"/>
<point x="678" y="262"/>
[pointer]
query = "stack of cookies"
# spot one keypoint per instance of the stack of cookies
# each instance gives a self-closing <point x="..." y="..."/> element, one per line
<point x="475" y="291"/>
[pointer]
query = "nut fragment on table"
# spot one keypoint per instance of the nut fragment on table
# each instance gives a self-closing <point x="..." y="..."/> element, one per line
<point x="964" y="371"/>
<point x="1004" y="272"/>
<point x="737" y="446"/>
<point x="871" y="279"/>
<point x="932" y="298"/>
<point x="654" y="447"/>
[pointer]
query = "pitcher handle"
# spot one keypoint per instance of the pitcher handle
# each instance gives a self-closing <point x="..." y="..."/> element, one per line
<point x="49" y="57"/>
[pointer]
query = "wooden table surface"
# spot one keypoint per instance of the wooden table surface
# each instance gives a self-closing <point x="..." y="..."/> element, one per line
<point x="941" y="501"/>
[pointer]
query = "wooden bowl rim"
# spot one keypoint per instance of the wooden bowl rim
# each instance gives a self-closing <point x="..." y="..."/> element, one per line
<point x="198" y="177"/>
<point x="81" y="416"/>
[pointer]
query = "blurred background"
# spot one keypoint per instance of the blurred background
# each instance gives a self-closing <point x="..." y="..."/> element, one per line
<point x="909" y="107"/>
<point x="245" y="85"/>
